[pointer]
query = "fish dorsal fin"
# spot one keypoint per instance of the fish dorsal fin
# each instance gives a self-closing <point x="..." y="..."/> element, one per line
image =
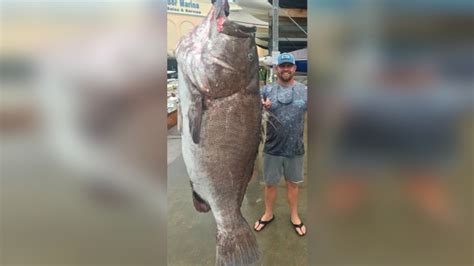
<point x="195" y="116"/>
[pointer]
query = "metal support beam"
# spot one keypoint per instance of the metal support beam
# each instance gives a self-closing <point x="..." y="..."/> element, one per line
<point x="275" y="25"/>
<point x="297" y="25"/>
<point x="275" y="36"/>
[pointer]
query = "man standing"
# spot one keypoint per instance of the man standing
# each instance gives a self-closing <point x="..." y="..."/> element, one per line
<point x="286" y="101"/>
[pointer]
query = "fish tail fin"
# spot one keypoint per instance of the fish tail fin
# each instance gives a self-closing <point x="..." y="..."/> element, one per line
<point x="236" y="245"/>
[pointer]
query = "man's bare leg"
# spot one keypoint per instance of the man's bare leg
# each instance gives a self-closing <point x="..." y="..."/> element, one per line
<point x="270" y="197"/>
<point x="292" y="194"/>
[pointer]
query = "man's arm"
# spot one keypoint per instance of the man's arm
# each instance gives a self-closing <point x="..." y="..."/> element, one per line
<point x="264" y="95"/>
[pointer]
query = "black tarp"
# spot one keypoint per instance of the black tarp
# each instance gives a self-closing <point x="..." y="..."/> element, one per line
<point x="292" y="3"/>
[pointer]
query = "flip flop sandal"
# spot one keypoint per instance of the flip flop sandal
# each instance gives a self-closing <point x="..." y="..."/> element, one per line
<point x="298" y="226"/>
<point x="264" y="223"/>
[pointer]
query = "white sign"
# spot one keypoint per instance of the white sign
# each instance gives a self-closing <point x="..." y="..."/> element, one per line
<point x="188" y="7"/>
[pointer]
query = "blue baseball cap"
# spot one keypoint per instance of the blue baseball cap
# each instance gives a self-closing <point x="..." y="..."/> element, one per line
<point x="286" y="58"/>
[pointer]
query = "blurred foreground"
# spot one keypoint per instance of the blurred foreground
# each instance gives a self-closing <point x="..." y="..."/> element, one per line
<point x="83" y="171"/>
<point x="390" y="132"/>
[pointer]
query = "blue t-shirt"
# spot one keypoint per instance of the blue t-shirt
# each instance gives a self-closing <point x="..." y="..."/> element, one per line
<point x="286" y="122"/>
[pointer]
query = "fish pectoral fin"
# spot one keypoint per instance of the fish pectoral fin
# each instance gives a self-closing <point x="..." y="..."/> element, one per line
<point x="195" y="117"/>
<point x="200" y="204"/>
<point x="180" y="121"/>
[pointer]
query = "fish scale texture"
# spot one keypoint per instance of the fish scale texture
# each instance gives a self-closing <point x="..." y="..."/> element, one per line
<point x="221" y="120"/>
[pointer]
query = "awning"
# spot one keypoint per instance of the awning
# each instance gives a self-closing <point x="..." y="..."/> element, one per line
<point x="245" y="18"/>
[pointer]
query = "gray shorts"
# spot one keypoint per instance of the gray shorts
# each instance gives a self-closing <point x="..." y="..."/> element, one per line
<point x="274" y="167"/>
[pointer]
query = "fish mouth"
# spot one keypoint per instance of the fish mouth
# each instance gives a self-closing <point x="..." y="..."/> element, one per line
<point x="221" y="11"/>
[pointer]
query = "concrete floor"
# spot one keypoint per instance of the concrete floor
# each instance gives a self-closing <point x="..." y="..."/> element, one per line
<point x="191" y="235"/>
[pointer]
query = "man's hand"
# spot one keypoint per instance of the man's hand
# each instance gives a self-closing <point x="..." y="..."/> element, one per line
<point x="266" y="103"/>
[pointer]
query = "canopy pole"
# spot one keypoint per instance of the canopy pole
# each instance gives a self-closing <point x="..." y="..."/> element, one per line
<point x="275" y="37"/>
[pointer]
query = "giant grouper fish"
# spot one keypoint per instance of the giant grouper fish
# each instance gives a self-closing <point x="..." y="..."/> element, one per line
<point x="221" y="119"/>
